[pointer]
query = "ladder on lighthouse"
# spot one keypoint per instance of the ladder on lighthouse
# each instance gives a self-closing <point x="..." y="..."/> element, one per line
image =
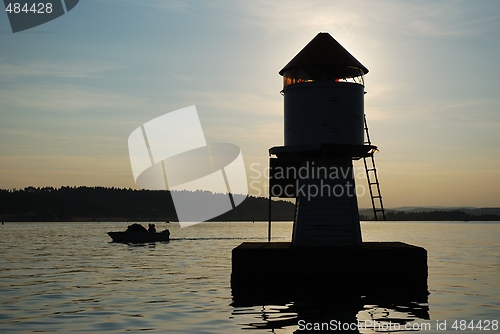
<point x="373" y="183"/>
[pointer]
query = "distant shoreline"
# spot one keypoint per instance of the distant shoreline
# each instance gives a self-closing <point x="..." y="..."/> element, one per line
<point x="117" y="220"/>
<point x="79" y="204"/>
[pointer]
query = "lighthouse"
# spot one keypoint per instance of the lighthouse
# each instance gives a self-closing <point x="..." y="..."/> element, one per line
<point x="323" y="89"/>
<point x="324" y="131"/>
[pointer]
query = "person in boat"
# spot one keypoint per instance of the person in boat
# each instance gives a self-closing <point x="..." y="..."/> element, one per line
<point x="166" y="231"/>
<point x="152" y="228"/>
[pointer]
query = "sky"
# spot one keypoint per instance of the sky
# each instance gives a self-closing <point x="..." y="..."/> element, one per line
<point x="72" y="90"/>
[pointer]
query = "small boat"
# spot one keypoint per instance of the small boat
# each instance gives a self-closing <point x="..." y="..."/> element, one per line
<point x="138" y="237"/>
<point x="136" y="233"/>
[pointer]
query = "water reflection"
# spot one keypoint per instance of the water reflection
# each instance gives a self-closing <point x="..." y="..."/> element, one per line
<point x="314" y="309"/>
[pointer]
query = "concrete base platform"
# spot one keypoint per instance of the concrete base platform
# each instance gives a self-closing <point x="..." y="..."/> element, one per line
<point x="373" y="269"/>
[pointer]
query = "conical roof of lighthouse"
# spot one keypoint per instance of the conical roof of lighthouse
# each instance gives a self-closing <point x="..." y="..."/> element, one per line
<point x="324" y="50"/>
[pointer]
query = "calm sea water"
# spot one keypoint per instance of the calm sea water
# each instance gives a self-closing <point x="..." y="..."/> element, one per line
<point x="69" y="278"/>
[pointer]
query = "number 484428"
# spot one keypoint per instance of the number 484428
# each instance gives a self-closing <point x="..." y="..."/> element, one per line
<point x="485" y="325"/>
<point x="35" y="8"/>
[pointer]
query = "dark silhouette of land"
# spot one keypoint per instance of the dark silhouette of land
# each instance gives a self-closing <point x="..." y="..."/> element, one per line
<point x="436" y="214"/>
<point x="119" y="204"/>
<point x="116" y="204"/>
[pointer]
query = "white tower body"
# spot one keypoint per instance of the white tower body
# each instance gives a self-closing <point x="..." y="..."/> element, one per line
<point x="324" y="113"/>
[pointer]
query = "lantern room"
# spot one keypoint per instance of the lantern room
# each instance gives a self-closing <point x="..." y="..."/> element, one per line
<point x="323" y="89"/>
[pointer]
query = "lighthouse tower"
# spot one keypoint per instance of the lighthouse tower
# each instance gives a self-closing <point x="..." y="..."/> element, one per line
<point x="323" y="92"/>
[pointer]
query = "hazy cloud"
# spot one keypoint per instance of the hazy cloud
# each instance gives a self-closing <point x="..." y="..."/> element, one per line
<point x="68" y="99"/>
<point x="74" y="69"/>
<point x="419" y="18"/>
